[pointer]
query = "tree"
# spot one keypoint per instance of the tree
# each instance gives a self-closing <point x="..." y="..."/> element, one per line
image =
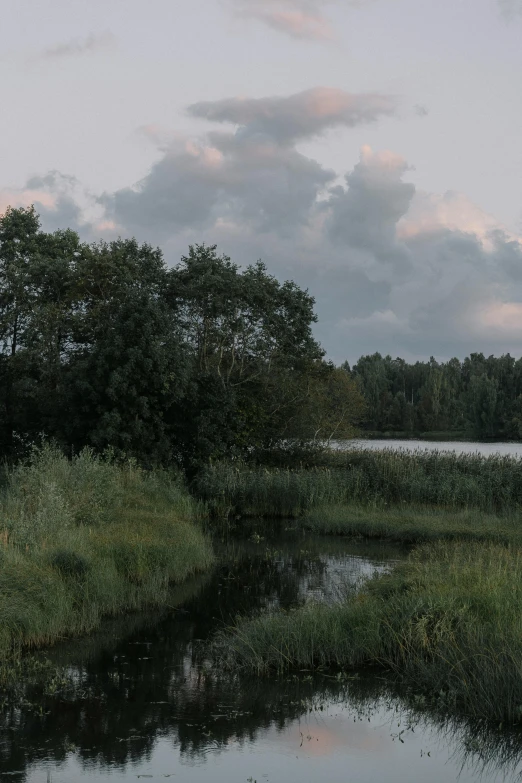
<point x="333" y="407"/>
<point x="483" y="405"/>
<point x="251" y="351"/>
<point x="35" y="322"/>
<point x="371" y="374"/>
<point x="128" y="369"/>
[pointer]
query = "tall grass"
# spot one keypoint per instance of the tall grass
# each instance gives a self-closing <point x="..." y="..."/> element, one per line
<point x="229" y="489"/>
<point x="491" y="484"/>
<point x="448" y="621"/>
<point x="413" y="524"/>
<point x="84" y="538"/>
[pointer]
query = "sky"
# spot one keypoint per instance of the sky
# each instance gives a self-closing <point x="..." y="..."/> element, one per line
<point x="370" y="150"/>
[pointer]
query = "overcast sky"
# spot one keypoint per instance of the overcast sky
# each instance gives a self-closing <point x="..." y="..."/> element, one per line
<point x="368" y="149"/>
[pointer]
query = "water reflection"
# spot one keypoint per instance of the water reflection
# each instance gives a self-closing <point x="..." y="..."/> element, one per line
<point x="140" y="701"/>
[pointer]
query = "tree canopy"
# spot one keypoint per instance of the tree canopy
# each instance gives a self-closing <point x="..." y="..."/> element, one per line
<point x="479" y="396"/>
<point x="103" y="345"/>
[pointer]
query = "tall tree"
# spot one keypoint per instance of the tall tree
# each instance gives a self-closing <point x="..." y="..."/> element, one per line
<point x="128" y="367"/>
<point x="252" y="353"/>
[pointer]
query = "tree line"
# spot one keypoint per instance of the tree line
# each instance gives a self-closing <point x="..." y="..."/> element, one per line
<point x="480" y="397"/>
<point x="103" y="345"/>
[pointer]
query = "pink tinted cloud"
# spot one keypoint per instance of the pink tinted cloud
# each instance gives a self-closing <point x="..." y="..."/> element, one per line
<point x="301" y="19"/>
<point x="503" y="316"/>
<point x="298" y="116"/>
<point x="432" y="212"/>
<point x="299" y="24"/>
<point x="24" y="198"/>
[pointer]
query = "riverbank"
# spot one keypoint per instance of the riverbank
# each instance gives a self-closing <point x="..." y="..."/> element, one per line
<point x="84" y="538"/>
<point x="169" y="709"/>
<point x="413" y="525"/>
<point x="447" y="621"/>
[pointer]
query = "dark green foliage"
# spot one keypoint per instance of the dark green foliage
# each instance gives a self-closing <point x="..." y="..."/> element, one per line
<point x="102" y="346"/>
<point x="252" y="356"/>
<point x="128" y="367"/>
<point x="481" y="396"/>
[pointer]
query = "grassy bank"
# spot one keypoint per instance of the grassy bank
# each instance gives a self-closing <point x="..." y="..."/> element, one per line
<point x="490" y="484"/>
<point x="84" y="538"/>
<point x="413" y="525"/>
<point x="447" y="621"/>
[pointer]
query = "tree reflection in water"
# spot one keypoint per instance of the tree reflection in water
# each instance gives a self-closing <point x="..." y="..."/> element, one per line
<point x="144" y="678"/>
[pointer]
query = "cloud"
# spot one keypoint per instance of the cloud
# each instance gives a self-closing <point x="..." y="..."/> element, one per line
<point x="24" y="197"/>
<point x="393" y="269"/>
<point x="300" y="116"/>
<point x="78" y="47"/>
<point x="300" y="19"/>
<point x="253" y="176"/>
<point x="59" y="199"/>
<point x="510" y="8"/>
<point x="420" y="110"/>
<point x="230" y="178"/>
<point x="366" y="213"/>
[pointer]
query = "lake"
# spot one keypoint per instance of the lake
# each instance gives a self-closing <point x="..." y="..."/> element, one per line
<point x="141" y="701"/>
<point x="459" y="447"/>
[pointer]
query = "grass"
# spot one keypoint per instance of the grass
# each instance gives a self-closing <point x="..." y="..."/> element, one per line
<point x="413" y="525"/>
<point x="491" y="484"/>
<point x="229" y="490"/>
<point x="85" y="538"/>
<point x="447" y="621"/>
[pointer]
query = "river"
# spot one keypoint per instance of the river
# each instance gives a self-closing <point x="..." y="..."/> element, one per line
<point x="140" y="700"/>
<point x="459" y="447"/>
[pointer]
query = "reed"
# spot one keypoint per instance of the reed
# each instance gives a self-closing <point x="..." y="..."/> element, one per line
<point x="447" y="621"/>
<point x="275" y="492"/>
<point x="491" y="484"/>
<point x="85" y="538"/>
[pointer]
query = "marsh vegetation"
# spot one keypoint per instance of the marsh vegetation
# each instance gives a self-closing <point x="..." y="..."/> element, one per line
<point x="374" y="479"/>
<point x="86" y="537"/>
<point x="447" y="622"/>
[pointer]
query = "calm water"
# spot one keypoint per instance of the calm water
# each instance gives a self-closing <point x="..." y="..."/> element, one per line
<point x="459" y="447"/>
<point x="142" y="703"/>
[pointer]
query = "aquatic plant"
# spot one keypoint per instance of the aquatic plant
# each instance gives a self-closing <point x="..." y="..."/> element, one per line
<point x="491" y="484"/>
<point x="447" y="621"/>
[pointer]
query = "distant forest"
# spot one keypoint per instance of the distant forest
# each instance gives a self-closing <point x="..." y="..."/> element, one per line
<point x="479" y="397"/>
